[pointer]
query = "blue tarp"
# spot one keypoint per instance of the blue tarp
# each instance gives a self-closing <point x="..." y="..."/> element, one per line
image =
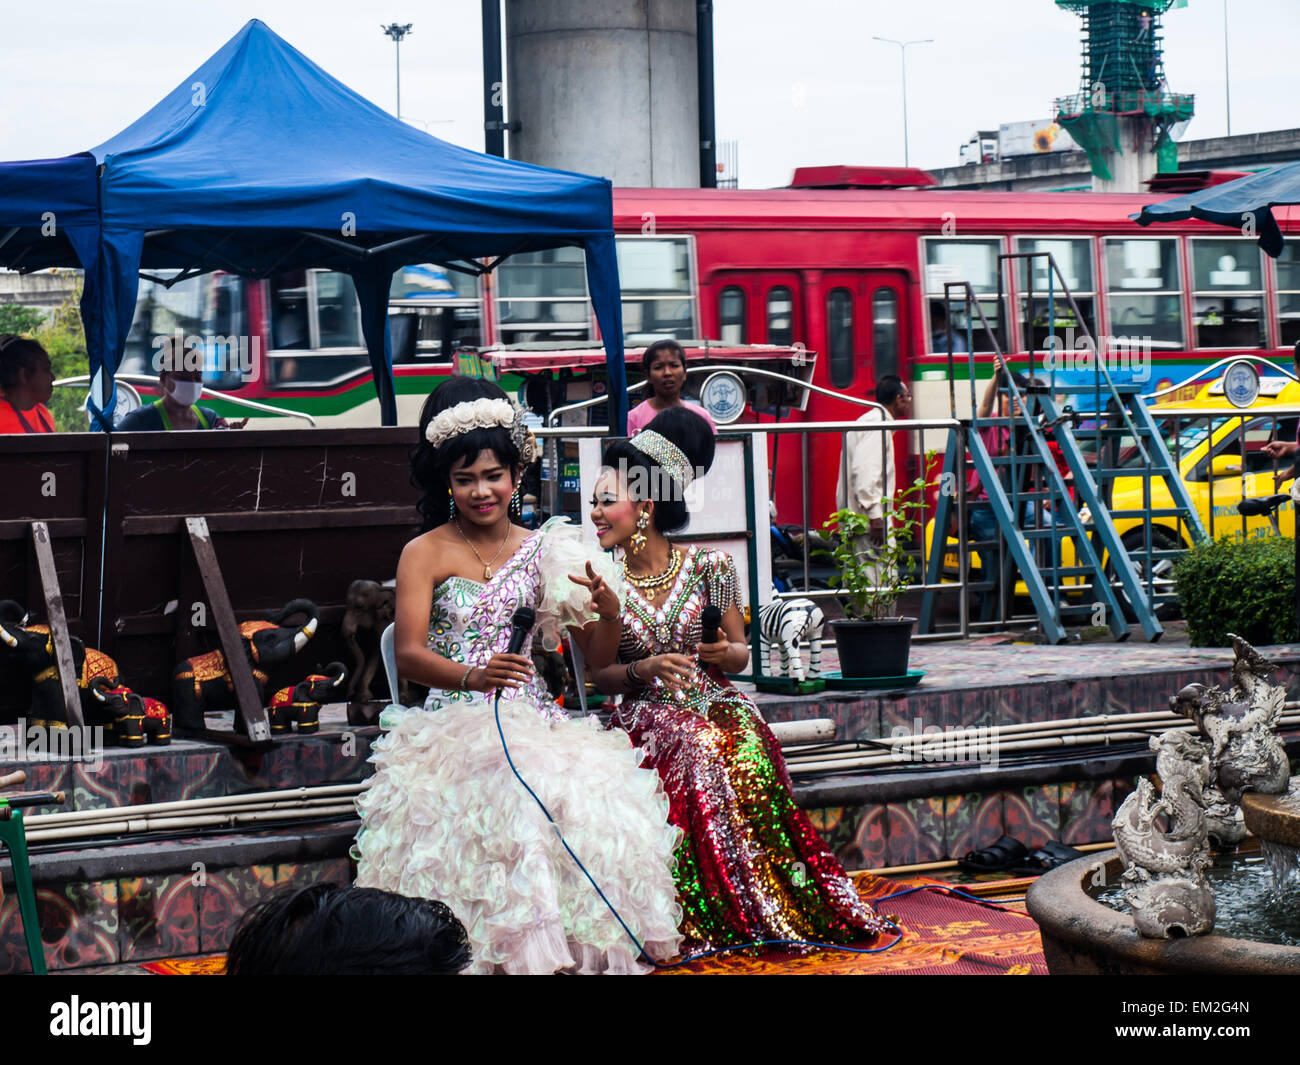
<point x="260" y="162"/>
<point x="49" y="216"/>
<point x="1245" y="204"/>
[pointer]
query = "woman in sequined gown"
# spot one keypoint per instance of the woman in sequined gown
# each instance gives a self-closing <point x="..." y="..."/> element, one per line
<point x="444" y="816"/>
<point x="750" y="867"/>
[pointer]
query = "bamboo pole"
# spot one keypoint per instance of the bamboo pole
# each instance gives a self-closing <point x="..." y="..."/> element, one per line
<point x="185" y="805"/>
<point x="131" y="826"/>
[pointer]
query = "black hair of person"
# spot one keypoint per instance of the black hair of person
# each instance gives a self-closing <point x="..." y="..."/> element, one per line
<point x="17" y="353"/>
<point x="888" y="389"/>
<point x="431" y="467"/>
<point x="329" y="930"/>
<point x="693" y="436"/>
<point x="662" y="347"/>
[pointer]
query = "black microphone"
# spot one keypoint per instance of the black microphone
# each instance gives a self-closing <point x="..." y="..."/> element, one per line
<point x="710" y="620"/>
<point x="521" y="624"/>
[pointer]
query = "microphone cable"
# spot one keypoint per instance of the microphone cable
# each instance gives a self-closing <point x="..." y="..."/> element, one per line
<point x="632" y="936"/>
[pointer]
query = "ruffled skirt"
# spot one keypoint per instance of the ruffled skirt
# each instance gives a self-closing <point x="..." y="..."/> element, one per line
<point x="445" y="818"/>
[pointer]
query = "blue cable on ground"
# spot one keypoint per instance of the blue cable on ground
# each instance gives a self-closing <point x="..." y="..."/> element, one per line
<point x="618" y="917"/>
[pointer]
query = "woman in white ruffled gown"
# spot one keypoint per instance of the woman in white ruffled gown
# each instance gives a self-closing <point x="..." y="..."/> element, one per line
<point x="444" y="817"/>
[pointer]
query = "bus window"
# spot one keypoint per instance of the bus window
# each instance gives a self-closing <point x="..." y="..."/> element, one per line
<point x="1073" y="258"/>
<point x="208" y="306"/>
<point x="839" y="336"/>
<point x="884" y="331"/>
<point x="1288" y="294"/>
<point x="658" y="292"/>
<point x="542" y="295"/>
<point x="973" y="260"/>
<point x="780" y="316"/>
<point x="289" y="312"/>
<point x="731" y="316"/>
<point x="1143" y="292"/>
<point x="446" y="305"/>
<point x="1227" y="293"/>
<point x="338" y="314"/>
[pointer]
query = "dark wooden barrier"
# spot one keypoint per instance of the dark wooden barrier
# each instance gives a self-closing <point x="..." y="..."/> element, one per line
<point x="292" y="514"/>
<point x="58" y="480"/>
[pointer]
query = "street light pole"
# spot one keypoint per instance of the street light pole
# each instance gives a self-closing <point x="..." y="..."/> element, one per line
<point x="902" y="51"/>
<point x="397" y="32"/>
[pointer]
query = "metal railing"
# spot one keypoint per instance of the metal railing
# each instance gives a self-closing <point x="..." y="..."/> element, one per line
<point x="129" y="379"/>
<point x="808" y="571"/>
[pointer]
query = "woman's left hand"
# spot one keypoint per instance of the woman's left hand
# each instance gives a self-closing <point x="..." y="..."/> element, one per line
<point x="714" y="653"/>
<point x="603" y="599"/>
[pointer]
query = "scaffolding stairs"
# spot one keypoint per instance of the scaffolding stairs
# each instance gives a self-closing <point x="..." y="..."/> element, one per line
<point x="1030" y="498"/>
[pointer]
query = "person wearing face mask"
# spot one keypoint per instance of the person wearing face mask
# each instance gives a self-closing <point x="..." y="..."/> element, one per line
<point x="177" y="408"/>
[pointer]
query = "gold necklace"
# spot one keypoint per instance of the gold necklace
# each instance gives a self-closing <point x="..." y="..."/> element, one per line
<point x="487" y="566"/>
<point x="658" y="580"/>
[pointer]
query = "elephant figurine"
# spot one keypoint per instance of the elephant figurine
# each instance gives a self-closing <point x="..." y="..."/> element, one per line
<point x="34" y="647"/>
<point x="370" y="607"/>
<point x="301" y="703"/>
<point x="137" y="719"/>
<point x="203" y="683"/>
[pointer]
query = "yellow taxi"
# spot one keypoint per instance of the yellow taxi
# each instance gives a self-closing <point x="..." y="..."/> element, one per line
<point x="1221" y="459"/>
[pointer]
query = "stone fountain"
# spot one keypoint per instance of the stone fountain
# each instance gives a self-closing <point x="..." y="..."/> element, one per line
<point x="1229" y="776"/>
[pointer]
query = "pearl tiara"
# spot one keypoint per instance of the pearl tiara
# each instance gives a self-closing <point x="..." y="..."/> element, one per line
<point x="666" y="453"/>
<point x="483" y="413"/>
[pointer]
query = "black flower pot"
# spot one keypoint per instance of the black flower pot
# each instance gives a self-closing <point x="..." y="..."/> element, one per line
<point x="874" y="648"/>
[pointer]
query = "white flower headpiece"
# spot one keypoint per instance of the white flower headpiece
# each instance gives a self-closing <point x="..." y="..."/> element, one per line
<point x="483" y="414"/>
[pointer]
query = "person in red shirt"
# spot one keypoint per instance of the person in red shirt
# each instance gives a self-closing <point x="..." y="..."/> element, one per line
<point x="27" y="382"/>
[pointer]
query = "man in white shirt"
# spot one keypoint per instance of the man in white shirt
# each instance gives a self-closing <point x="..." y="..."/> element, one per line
<point x="867" y="471"/>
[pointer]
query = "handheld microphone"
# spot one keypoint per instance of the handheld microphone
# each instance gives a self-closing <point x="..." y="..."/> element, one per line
<point x="710" y="621"/>
<point x="521" y="624"/>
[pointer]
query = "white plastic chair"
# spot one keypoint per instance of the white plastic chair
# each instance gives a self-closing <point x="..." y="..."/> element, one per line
<point x="388" y="651"/>
<point x="579" y="673"/>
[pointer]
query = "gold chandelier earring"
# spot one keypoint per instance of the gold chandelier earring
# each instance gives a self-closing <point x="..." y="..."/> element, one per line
<point x="637" y="539"/>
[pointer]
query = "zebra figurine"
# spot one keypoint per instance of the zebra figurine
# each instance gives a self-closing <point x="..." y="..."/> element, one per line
<point x="782" y="625"/>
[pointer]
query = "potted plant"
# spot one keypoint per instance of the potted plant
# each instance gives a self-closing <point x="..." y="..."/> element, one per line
<point x="873" y="641"/>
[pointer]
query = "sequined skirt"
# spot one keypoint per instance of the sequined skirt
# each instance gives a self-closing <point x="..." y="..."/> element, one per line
<point x="750" y="866"/>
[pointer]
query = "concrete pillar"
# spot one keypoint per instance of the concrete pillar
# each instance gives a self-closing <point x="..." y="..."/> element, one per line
<point x="605" y="87"/>
<point x="1136" y="164"/>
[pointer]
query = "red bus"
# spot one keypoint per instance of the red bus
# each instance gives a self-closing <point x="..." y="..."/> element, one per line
<point x="855" y="275"/>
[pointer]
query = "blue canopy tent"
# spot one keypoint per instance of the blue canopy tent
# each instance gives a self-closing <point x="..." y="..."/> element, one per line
<point x="261" y="162"/>
<point x="49" y="216"/>
<point x="1245" y="204"/>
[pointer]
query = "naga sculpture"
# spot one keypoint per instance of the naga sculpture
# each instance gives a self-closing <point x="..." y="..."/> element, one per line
<point x="1245" y="753"/>
<point x="1165" y="867"/>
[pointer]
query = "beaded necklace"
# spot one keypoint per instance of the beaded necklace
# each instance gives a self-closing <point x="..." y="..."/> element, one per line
<point x="659" y="580"/>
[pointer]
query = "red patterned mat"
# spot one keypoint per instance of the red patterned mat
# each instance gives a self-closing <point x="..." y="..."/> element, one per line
<point x="211" y="965"/>
<point x="943" y="934"/>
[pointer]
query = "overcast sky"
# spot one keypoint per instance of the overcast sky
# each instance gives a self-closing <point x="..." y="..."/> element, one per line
<point x="798" y="83"/>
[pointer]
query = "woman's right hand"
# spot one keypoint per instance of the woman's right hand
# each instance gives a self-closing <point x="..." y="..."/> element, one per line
<point x="501" y="671"/>
<point x="672" y="670"/>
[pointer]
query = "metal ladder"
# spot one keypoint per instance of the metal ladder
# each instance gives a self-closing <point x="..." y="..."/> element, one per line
<point x="1029" y="474"/>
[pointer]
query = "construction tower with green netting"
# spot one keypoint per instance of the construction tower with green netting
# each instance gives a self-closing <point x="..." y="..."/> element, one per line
<point x="1123" y="112"/>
